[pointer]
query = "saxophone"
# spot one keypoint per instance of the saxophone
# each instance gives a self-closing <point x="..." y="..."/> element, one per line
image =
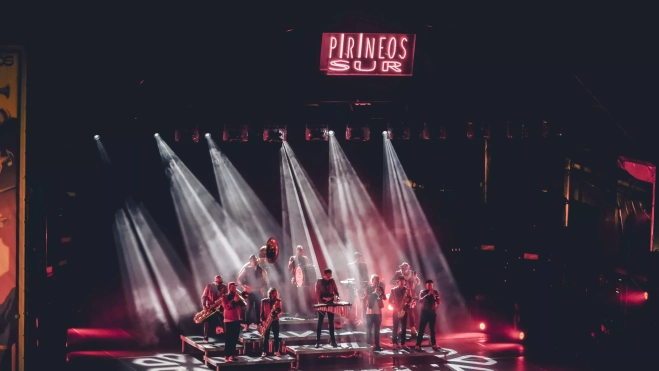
<point x="273" y="313"/>
<point x="408" y="303"/>
<point x="205" y="314"/>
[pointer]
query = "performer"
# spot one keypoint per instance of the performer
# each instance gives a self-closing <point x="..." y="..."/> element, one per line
<point x="374" y="298"/>
<point x="233" y="304"/>
<point x="254" y="279"/>
<point x="412" y="282"/>
<point x="263" y="263"/>
<point x="297" y="260"/>
<point x="326" y="293"/>
<point x="267" y="306"/>
<point x="212" y="293"/>
<point x="399" y="297"/>
<point x="358" y="272"/>
<point x="429" y="299"/>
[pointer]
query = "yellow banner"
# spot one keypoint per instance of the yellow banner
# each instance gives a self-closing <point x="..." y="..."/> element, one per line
<point x="10" y="143"/>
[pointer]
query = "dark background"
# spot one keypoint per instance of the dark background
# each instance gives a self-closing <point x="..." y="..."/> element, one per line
<point x="227" y="65"/>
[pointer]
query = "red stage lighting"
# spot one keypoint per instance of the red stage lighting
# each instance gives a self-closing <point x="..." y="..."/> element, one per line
<point x="645" y="295"/>
<point x="521" y="336"/>
<point x="482" y="326"/>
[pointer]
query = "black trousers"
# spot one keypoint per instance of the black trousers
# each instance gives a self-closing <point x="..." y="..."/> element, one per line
<point x="399" y="323"/>
<point x="212" y="322"/>
<point x="330" y="319"/>
<point x="373" y="322"/>
<point x="428" y="317"/>
<point x="253" y="308"/>
<point x="274" y="327"/>
<point x="231" y="337"/>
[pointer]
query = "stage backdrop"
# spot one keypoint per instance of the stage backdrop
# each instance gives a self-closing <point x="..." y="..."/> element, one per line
<point x="10" y="138"/>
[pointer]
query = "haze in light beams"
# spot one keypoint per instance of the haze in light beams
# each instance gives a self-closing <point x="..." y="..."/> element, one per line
<point x="316" y="219"/>
<point x="215" y="244"/>
<point x="417" y="236"/>
<point x="239" y="200"/>
<point x="148" y="264"/>
<point x="358" y="220"/>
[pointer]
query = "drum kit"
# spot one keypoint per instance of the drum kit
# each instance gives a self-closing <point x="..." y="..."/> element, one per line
<point x="305" y="275"/>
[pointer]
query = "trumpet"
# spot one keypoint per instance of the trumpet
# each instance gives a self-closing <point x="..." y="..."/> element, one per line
<point x="242" y="295"/>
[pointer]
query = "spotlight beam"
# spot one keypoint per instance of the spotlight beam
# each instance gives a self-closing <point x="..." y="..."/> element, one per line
<point x="354" y="214"/>
<point x="401" y="201"/>
<point x="239" y="200"/>
<point x="331" y="246"/>
<point x="213" y="241"/>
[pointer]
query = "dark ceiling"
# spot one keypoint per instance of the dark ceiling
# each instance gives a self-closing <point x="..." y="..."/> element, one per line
<point x="226" y="62"/>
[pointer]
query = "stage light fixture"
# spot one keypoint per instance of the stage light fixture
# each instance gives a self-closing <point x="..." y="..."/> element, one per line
<point x="274" y="133"/>
<point x="358" y="132"/>
<point x="331" y="132"/>
<point x="434" y="131"/>
<point x="482" y="326"/>
<point x="317" y="132"/>
<point x="385" y="132"/>
<point x="645" y="295"/>
<point x="185" y="134"/>
<point x="398" y="131"/>
<point x="97" y="137"/>
<point x="207" y="135"/>
<point x="521" y="336"/>
<point x="156" y="135"/>
<point x="235" y="133"/>
<point x="476" y="130"/>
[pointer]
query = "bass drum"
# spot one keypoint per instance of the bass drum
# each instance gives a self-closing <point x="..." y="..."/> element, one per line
<point x="305" y="275"/>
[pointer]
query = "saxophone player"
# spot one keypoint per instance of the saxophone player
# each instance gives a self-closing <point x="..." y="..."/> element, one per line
<point x="374" y="302"/>
<point x="212" y="294"/>
<point x="233" y="304"/>
<point x="271" y="307"/>
<point x="400" y="299"/>
<point x="429" y="298"/>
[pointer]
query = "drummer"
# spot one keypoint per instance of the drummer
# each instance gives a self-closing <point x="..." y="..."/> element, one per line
<point x="299" y="259"/>
<point x="301" y="306"/>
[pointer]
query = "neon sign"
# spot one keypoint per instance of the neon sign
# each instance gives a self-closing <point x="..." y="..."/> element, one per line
<point x="367" y="54"/>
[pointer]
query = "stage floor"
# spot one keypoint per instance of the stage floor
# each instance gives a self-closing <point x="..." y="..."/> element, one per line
<point x="465" y="352"/>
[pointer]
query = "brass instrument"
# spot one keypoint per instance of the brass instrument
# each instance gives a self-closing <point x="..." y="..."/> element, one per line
<point x="273" y="313"/>
<point x="408" y="303"/>
<point x="271" y="250"/>
<point x="242" y="295"/>
<point x="206" y="313"/>
<point x="5" y="91"/>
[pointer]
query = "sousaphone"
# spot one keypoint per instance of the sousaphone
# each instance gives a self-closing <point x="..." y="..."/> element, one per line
<point x="271" y="250"/>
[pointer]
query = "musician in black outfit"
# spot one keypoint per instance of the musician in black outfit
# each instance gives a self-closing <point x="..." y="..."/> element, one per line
<point x="326" y="292"/>
<point x="373" y="302"/>
<point x="429" y="299"/>
<point x="400" y="297"/>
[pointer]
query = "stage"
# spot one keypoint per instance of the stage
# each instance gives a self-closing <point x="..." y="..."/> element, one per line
<point x="460" y="351"/>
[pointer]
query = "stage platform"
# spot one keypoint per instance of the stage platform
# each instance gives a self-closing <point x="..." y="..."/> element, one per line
<point x="397" y="354"/>
<point x="246" y="361"/>
<point x="214" y="345"/>
<point x="296" y="321"/>
<point x="357" y="348"/>
<point x="308" y="336"/>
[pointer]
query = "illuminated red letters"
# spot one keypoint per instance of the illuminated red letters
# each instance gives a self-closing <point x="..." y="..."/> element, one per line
<point x="367" y="54"/>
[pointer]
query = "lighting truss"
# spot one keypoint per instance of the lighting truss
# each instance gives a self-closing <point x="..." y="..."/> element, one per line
<point x="317" y="132"/>
<point x="432" y="131"/>
<point x="274" y="133"/>
<point x="235" y="133"/>
<point x="398" y="131"/>
<point x="358" y="132"/>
